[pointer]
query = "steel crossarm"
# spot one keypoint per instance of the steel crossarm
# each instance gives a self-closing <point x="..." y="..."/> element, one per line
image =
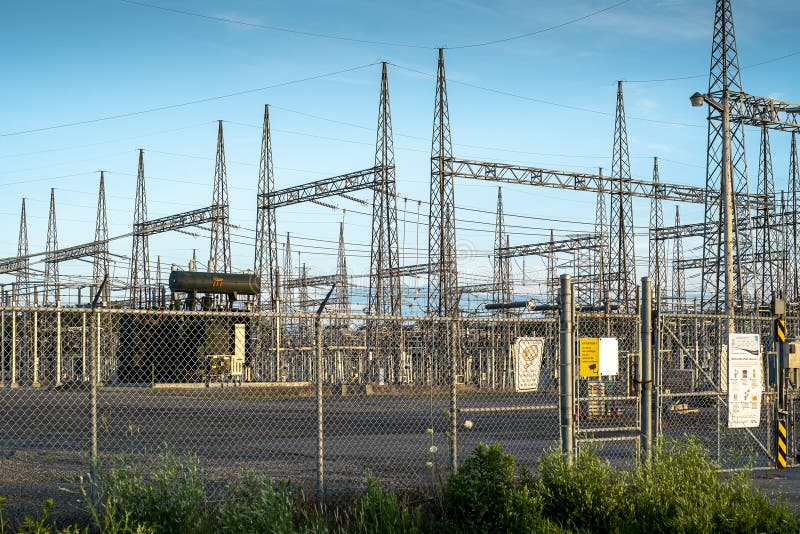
<point x="478" y="288"/>
<point x="764" y="112"/>
<point x="311" y="281"/>
<point x="577" y="242"/>
<point x="580" y="181"/>
<point x="10" y="265"/>
<point x="78" y="251"/>
<point x="345" y="183"/>
<point x="178" y="221"/>
<point x="414" y="270"/>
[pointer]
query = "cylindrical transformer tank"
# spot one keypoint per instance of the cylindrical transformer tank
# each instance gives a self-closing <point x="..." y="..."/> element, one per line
<point x="222" y="283"/>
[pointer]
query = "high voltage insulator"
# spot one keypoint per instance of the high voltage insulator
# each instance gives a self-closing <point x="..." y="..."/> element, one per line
<point x="443" y="277"/>
<point x="139" y="274"/>
<point x="622" y="253"/>
<point x="51" y="282"/>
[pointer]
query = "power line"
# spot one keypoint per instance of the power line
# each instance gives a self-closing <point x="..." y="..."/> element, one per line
<point x="373" y="41"/>
<point x="189" y="103"/>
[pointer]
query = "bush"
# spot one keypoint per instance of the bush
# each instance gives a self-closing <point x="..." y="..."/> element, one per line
<point x="172" y="499"/>
<point x="485" y="495"/>
<point x="585" y="494"/>
<point x="380" y="512"/>
<point x="681" y="491"/>
<point x="256" y="504"/>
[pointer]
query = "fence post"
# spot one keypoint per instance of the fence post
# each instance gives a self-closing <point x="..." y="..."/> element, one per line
<point x="451" y="349"/>
<point x="565" y="376"/>
<point x="35" y="349"/>
<point x="645" y="370"/>
<point x="59" y="370"/>
<point x="320" y="448"/>
<point x="14" y="347"/>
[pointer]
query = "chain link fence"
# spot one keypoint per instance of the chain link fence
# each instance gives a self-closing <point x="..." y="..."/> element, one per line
<point x="324" y="400"/>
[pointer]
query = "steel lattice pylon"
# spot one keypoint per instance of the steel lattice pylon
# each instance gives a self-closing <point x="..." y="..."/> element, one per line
<point x="658" y="247"/>
<point x="502" y="272"/>
<point x="100" y="261"/>
<point x="678" y="274"/>
<point x="622" y="254"/>
<point x="51" y="279"/>
<point x="601" y="254"/>
<point x="23" y="274"/>
<point x="219" y="259"/>
<point x="342" y="285"/>
<point x="725" y="77"/>
<point x="443" y="275"/>
<point x="139" y="275"/>
<point x="384" y="282"/>
<point x="287" y="297"/>
<point x="792" y="285"/>
<point x="767" y="246"/>
<point x="266" y="247"/>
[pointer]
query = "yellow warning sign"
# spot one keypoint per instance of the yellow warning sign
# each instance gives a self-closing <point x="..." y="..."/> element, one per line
<point x="780" y="452"/>
<point x="589" y="356"/>
<point x="780" y="330"/>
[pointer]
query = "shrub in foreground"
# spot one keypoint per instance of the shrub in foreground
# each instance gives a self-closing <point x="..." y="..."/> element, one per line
<point x="679" y="491"/>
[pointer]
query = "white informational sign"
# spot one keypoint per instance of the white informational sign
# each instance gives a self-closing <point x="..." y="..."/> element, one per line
<point x="527" y="352"/>
<point x="609" y="356"/>
<point x="745" y="380"/>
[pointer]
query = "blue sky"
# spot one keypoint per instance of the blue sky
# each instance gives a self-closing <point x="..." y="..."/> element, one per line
<point x="67" y="62"/>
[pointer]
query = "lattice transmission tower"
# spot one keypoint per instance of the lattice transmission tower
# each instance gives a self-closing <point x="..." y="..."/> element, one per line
<point x="601" y="253"/>
<point x="219" y="259"/>
<point x="100" y="261"/>
<point x="766" y="268"/>
<point x="502" y="272"/>
<point x="443" y="274"/>
<point x="724" y="78"/>
<point x="792" y="256"/>
<point x="658" y="247"/>
<point x="139" y="275"/>
<point x="385" y="297"/>
<point x="266" y="247"/>
<point x="342" y="283"/>
<point x="622" y="253"/>
<point x="52" y="292"/>
<point x="678" y="274"/>
<point x="23" y="274"/>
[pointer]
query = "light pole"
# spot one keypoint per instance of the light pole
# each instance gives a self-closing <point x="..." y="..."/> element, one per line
<point x="726" y="192"/>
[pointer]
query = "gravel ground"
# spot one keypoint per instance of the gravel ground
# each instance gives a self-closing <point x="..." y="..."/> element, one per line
<point x="45" y="435"/>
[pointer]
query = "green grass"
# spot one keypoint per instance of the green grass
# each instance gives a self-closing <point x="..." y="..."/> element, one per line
<point x="680" y="491"/>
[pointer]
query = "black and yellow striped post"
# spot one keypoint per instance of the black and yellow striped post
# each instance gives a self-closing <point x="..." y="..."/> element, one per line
<point x="780" y="330"/>
<point x="781" y="441"/>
